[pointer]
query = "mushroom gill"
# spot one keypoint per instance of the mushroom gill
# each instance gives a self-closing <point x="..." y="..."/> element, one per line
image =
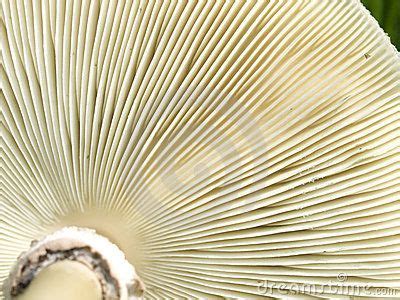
<point x="236" y="149"/>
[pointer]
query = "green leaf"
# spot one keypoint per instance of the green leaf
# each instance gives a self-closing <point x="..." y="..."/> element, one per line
<point x="387" y="12"/>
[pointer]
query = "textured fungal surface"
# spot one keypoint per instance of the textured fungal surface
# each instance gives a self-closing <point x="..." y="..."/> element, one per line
<point x="237" y="149"/>
<point x="115" y="277"/>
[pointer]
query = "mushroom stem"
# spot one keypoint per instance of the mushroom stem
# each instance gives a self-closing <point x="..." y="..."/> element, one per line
<point x="78" y="257"/>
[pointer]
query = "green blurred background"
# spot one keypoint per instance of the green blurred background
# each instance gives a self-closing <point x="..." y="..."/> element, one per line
<point x="387" y="12"/>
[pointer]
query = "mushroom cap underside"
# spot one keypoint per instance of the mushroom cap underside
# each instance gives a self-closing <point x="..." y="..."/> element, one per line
<point x="236" y="149"/>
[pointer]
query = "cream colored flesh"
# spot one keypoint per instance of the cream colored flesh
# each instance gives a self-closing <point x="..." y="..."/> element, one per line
<point x="219" y="144"/>
<point x="64" y="280"/>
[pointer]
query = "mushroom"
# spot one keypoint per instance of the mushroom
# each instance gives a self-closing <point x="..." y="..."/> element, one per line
<point x="198" y="149"/>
